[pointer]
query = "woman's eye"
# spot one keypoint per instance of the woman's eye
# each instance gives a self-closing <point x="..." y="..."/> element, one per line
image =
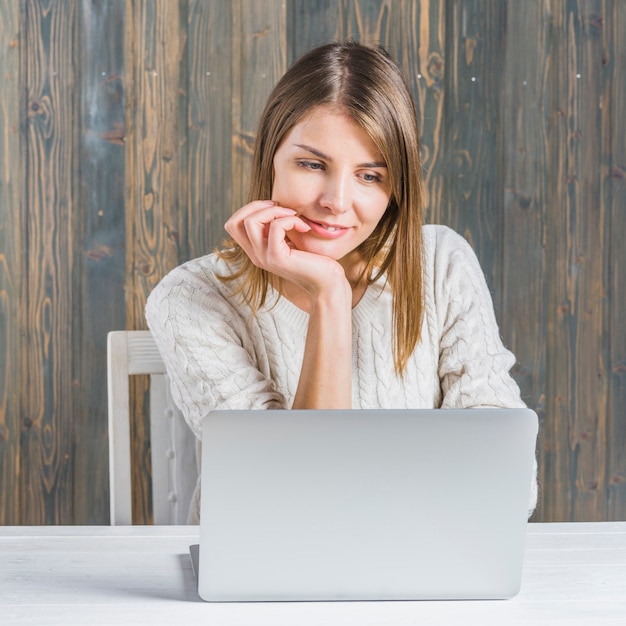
<point x="371" y="178"/>
<point x="311" y="165"/>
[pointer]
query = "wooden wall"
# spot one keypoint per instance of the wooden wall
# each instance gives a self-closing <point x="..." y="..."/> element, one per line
<point x="126" y="134"/>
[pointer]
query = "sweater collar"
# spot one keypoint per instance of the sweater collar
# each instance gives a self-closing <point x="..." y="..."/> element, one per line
<point x="289" y="313"/>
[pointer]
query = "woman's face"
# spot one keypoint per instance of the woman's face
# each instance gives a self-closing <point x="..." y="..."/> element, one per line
<point x="330" y="171"/>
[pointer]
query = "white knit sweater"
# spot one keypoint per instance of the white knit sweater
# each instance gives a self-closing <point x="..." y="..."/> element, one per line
<point x="219" y="355"/>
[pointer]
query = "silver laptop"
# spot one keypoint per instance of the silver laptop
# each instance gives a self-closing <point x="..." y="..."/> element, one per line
<point x="364" y="504"/>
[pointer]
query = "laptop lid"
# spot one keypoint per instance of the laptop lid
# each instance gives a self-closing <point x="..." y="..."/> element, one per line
<point x="364" y="504"/>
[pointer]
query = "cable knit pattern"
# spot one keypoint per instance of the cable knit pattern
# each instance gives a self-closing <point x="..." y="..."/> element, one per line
<point x="219" y="355"/>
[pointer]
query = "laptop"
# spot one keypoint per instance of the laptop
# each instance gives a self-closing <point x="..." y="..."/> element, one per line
<point x="326" y="505"/>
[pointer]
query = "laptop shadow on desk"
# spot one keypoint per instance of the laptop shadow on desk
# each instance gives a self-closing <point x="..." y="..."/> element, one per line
<point x="74" y="582"/>
<point x="183" y="589"/>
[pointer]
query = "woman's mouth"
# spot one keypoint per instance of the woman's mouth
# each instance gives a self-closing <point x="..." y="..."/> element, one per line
<point x="325" y="230"/>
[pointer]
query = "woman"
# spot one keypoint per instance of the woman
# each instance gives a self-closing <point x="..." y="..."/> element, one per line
<point x="331" y="293"/>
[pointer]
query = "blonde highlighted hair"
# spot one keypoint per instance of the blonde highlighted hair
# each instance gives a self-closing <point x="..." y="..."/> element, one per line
<point x="365" y="83"/>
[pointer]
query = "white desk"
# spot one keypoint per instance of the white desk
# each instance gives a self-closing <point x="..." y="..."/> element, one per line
<point x="573" y="574"/>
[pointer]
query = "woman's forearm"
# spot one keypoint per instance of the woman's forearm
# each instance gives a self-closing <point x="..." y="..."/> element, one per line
<point x="326" y="375"/>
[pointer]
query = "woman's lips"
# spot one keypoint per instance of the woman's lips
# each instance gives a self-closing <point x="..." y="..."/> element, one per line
<point x="330" y="231"/>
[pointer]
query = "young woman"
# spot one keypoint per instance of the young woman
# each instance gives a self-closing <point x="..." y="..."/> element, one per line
<point x="331" y="293"/>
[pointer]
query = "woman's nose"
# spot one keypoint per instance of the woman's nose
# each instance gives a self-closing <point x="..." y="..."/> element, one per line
<point x="336" y="196"/>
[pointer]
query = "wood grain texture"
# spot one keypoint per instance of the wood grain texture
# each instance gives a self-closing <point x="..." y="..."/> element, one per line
<point x="155" y="193"/>
<point x="209" y="124"/>
<point x="425" y="69"/>
<point x="368" y="21"/>
<point x="154" y="45"/>
<point x="127" y="131"/>
<point x="614" y="192"/>
<point x="577" y="428"/>
<point x="310" y="24"/>
<point x="100" y="243"/>
<point x="471" y="186"/>
<point x="524" y="155"/>
<point x="259" y="56"/>
<point x="46" y="364"/>
<point x="11" y="235"/>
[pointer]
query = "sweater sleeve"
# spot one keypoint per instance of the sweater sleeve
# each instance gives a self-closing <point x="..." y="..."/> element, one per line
<point x="474" y="365"/>
<point x="210" y="356"/>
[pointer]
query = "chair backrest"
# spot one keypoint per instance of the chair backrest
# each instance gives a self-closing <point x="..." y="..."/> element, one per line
<point x="174" y="468"/>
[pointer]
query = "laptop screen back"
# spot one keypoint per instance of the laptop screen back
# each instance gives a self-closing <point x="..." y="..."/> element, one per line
<point x="365" y="504"/>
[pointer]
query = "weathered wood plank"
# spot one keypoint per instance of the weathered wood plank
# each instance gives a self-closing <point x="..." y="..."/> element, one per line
<point x="311" y="24"/>
<point x="533" y="174"/>
<point x="421" y="54"/>
<point x="556" y="447"/>
<point x="472" y="183"/>
<point x="524" y="149"/>
<point x="101" y="242"/>
<point x="153" y="54"/>
<point x="155" y="194"/>
<point x="368" y="21"/>
<point x="11" y="271"/>
<point x="209" y="131"/>
<point x="614" y="179"/>
<point x="46" y="372"/>
<point x="259" y="59"/>
<point x="575" y="433"/>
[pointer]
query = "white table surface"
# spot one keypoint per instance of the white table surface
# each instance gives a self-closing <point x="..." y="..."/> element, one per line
<point x="573" y="574"/>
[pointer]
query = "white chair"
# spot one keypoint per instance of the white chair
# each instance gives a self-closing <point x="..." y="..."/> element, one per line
<point x="174" y="468"/>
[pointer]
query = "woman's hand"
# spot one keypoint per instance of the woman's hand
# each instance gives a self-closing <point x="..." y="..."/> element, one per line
<point x="262" y="229"/>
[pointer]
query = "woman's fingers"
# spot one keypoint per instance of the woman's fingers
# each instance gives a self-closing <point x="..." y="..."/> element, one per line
<point x="278" y="229"/>
<point x="261" y="228"/>
<point x="248" y="209"/>
<point x="249" y="226"/>
<point x="268" y="238"/>
<point x="260" y="209"/>
<point x="276" y="240"/>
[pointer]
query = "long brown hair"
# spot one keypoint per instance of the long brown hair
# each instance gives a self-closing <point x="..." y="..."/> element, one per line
<point x="366" y="84"/>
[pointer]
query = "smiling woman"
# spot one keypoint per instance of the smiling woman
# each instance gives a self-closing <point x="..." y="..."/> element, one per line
<point x="331" y="172"/>
<point x="363" y="85"/>
<point x="331" y="293"/>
